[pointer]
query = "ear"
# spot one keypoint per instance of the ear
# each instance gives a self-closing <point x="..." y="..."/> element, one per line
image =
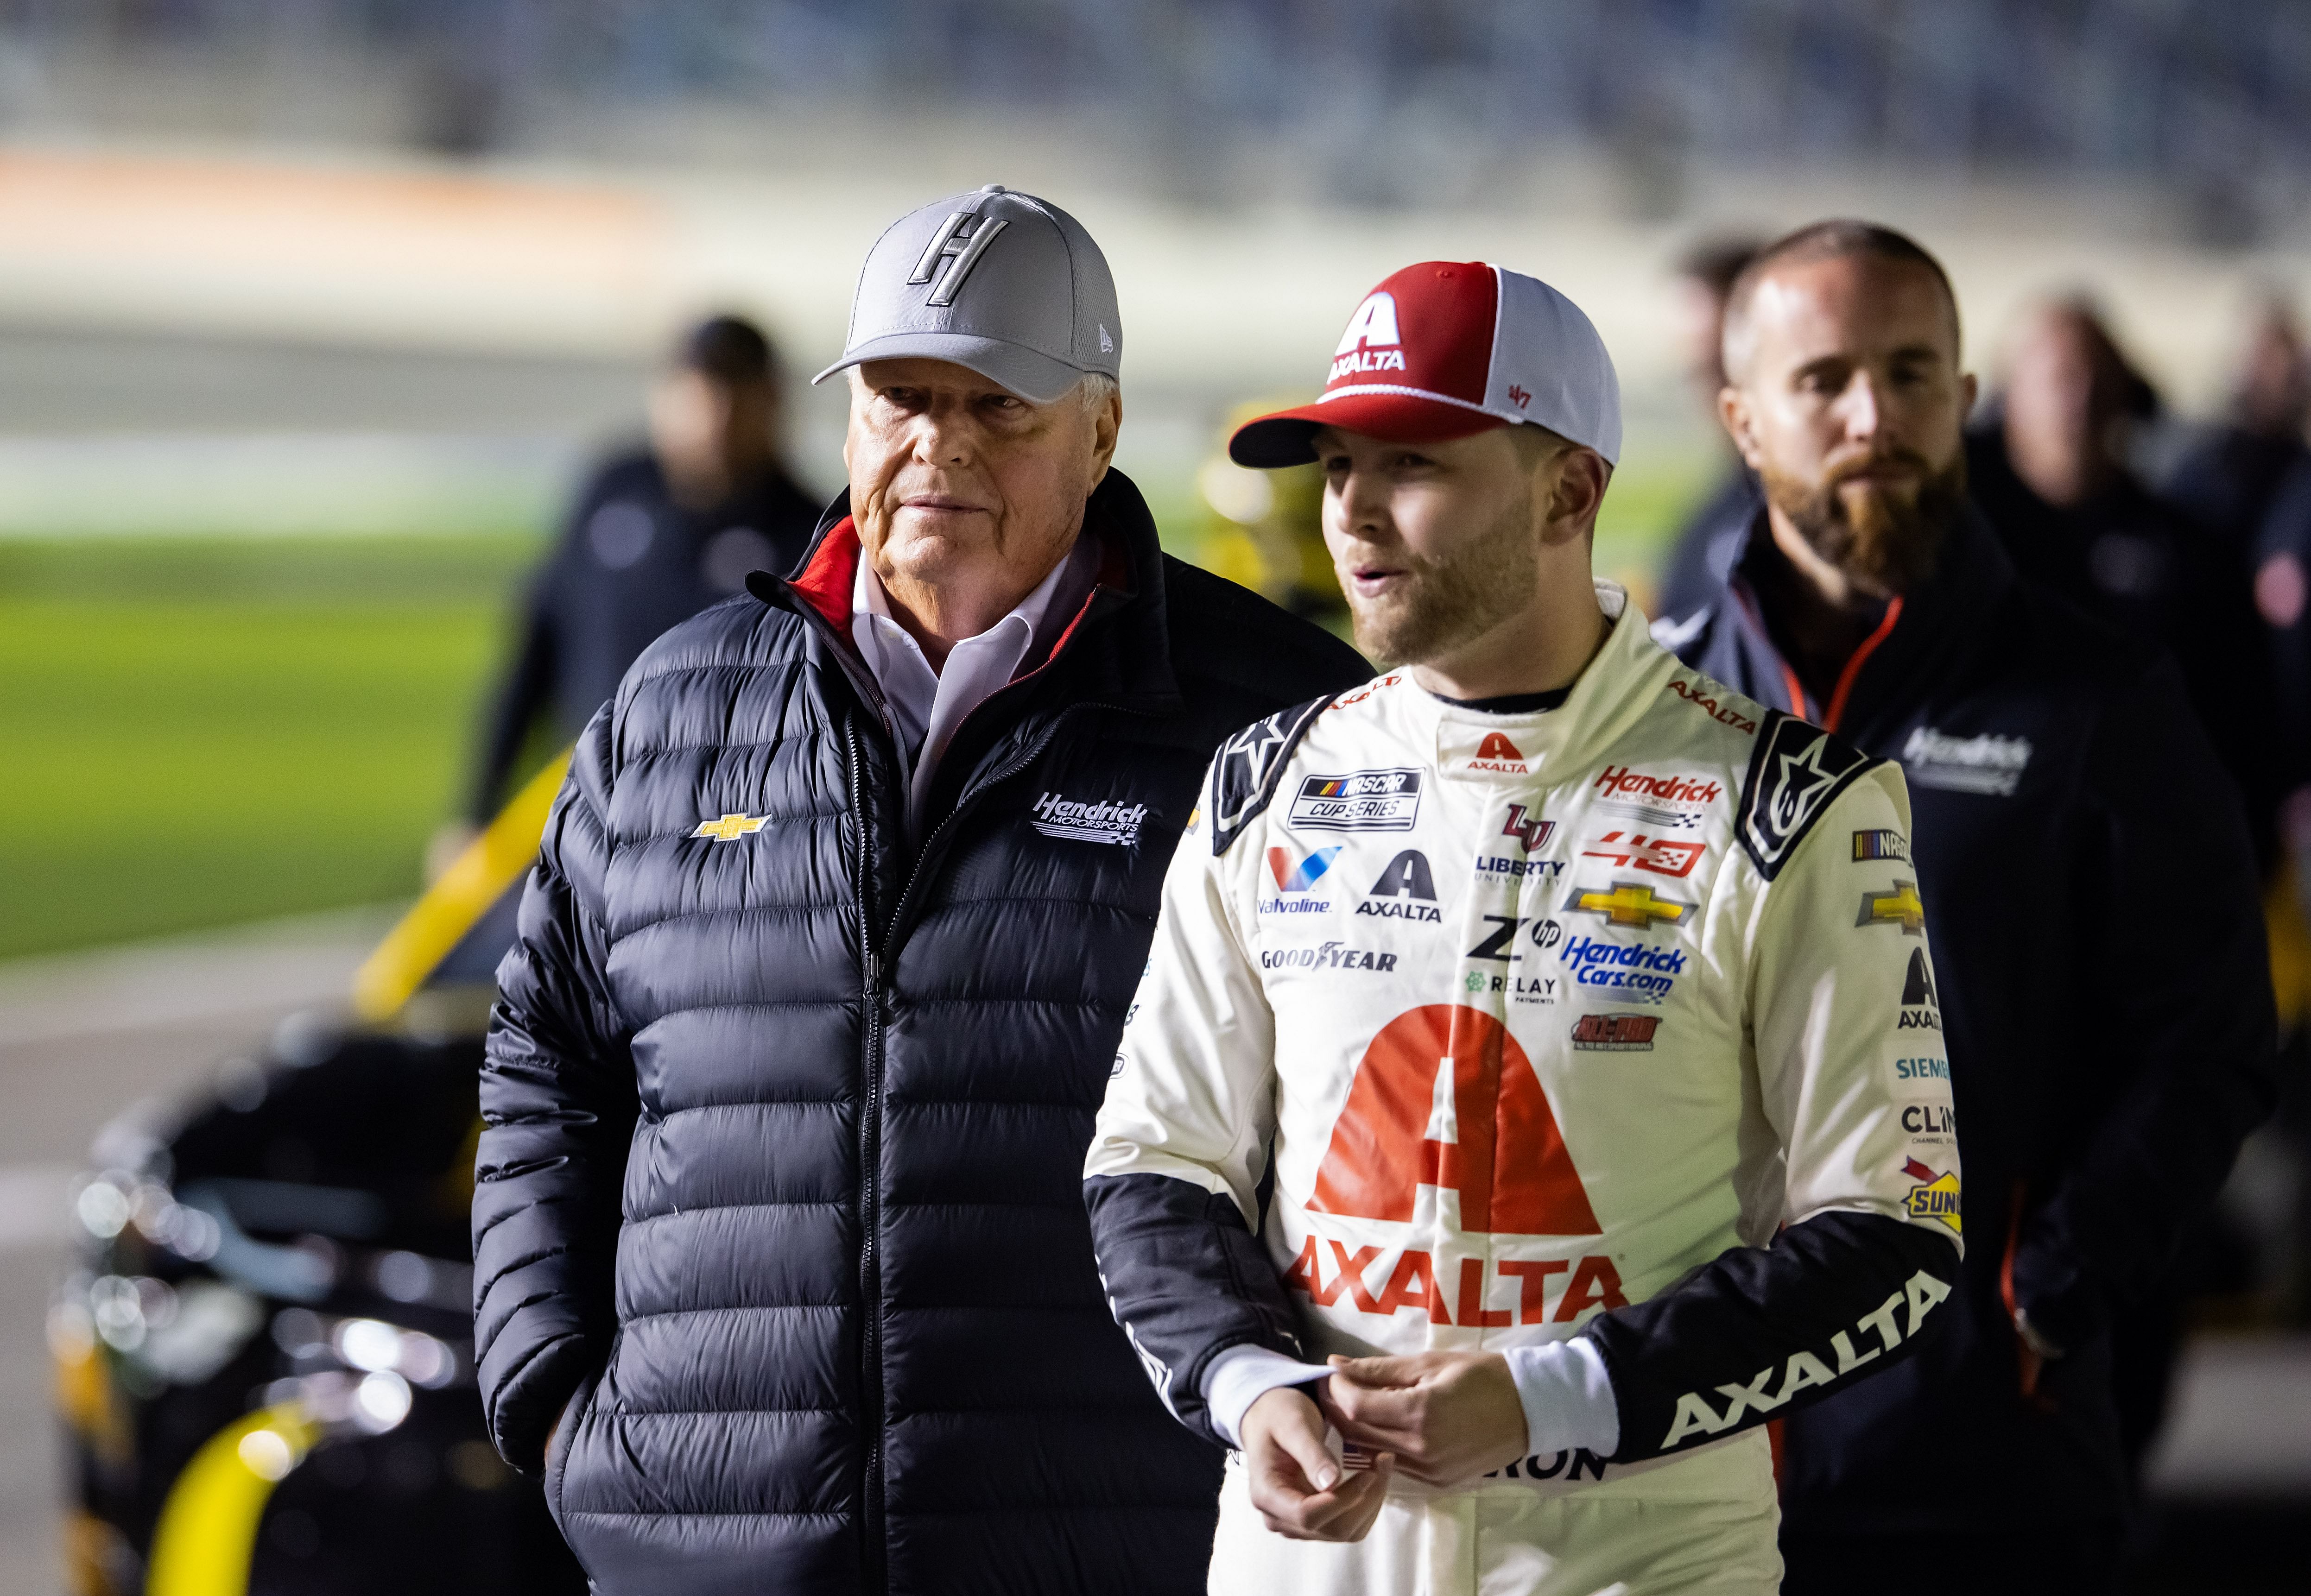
<point x="1578" y="489"/>
<point x="1969" y="388"/>
<point x="1106" y="426"/>
<point x="1733" y="410"/>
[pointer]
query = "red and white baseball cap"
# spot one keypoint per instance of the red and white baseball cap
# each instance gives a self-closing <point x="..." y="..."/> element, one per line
<point x="1449" y="348"/>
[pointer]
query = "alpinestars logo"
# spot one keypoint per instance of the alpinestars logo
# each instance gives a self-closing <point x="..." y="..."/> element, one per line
<point x="1530" y="832"/>
<point x="1405" y="891"/>
<point x="1370" y="343"/>
<point x="1446" y="1097"/>
<point x="1101" y="822"/>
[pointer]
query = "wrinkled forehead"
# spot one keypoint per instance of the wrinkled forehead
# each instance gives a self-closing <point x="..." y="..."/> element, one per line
<point x="924" y="374"/>
<point x="1856" y="306"/>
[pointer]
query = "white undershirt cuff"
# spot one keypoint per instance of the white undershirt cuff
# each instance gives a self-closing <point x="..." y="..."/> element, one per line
<point x="1240" y="1376"/>
<point x="1567" y="1398"/>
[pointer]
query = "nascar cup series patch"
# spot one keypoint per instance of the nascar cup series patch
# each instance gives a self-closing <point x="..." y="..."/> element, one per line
<point x="1361" y="801"/>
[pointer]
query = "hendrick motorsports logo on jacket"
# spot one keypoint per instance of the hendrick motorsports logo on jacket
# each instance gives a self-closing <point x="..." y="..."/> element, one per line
<point x="1101" y="822"/>
<point x="1987" y="764"/>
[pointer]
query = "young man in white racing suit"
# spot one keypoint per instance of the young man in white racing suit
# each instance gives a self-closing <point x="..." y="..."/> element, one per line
<point x="1539" y="1031"/>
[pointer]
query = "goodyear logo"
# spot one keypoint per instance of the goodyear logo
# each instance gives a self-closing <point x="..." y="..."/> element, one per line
<point x="1934" y="1197"/>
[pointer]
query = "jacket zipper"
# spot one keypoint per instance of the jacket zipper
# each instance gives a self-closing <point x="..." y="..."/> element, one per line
<point x="870" y="1141"/>
<point x="871" y="1118"/>
<point x="969" y="800"/>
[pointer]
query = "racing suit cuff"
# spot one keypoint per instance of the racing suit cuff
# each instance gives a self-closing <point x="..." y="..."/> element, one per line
<point x="1240" y="1376"/>
<point x="1567" y="1398"/>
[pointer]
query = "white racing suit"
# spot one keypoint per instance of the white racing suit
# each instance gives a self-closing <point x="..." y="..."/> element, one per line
<point x="1466" y="1031"/>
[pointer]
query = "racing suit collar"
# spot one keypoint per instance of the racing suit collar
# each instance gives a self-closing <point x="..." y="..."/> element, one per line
<point x="1607" y="697"/>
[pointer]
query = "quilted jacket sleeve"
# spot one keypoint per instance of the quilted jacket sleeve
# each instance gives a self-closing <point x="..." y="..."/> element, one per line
<point x="1179" y="1157"/>
<point x="558" y="1105"/>
<point x="1860" y="1155"/>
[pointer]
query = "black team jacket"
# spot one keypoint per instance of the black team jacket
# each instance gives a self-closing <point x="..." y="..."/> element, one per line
<point x="2101" y="982"/>
<point x="785" y="1120"/>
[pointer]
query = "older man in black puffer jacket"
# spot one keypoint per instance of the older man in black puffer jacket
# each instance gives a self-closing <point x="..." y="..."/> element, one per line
<point x="782" y="1266"/>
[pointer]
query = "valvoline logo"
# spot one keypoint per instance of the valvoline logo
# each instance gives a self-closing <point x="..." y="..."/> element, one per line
<point x="1299" y="877"/>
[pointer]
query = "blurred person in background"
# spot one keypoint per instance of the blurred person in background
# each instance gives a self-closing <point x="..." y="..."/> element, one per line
<point x="1264" y="530"/>
<point x="2048" y="467"/>
<point x="657" y="534"/>
<point x="2229" y="475"/>
<point x="2104" y="1078"/>
<point x="783" y="1270"/>
<point x="1707" y="543"/>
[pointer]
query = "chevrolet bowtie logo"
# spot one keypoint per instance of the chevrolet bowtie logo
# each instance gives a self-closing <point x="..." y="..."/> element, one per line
<point x="731" y="827"/>
<point x="1899" y="907"/>
<point x="1629" y="904"/>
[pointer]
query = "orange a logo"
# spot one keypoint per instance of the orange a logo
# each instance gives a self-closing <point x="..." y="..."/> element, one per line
<point x="1496" y="747"/>
<point x="1508" y="1161"/>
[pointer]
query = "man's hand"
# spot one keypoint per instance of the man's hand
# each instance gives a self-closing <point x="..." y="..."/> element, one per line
<point x="1299" y="1490"/>
<point x="1447" y="1415"/>
<point x="560" y="1420"/>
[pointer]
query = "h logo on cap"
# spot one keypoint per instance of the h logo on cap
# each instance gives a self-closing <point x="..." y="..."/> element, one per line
<point x="959" y="248"/>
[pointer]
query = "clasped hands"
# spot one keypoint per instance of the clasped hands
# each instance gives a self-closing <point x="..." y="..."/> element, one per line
<point x="1440" y="1418"/>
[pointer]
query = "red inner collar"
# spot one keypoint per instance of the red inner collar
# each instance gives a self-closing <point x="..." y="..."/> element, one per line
<point x="827" y="583"/>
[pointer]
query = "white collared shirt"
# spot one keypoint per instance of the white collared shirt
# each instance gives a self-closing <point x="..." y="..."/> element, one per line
<point x="926" y="705"/>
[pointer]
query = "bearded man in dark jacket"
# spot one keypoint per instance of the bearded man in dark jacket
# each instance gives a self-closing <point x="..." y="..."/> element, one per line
<point x="781" y="1268"/>
<point x="2102" y="1082"/>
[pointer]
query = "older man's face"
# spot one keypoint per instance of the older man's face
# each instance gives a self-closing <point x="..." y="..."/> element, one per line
<point x="964" y="493"/>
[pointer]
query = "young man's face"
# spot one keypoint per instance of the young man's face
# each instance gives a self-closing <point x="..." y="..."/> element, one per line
<point x="1434" y="544"/>
<point x="1843" y="394"/>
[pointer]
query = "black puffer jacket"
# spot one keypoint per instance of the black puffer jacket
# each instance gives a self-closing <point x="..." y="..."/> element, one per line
<point x="781" y="1171"/>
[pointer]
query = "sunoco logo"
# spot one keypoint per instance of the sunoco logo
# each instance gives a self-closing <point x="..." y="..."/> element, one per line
<point x="1102" y="822"/>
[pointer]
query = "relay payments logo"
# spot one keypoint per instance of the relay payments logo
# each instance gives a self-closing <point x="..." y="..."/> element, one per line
<point x="1446" y="1097"/>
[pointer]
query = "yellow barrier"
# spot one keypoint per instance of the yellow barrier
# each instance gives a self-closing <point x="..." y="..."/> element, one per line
<point x="475" y="880"/>
<point x="207" y="1533"/>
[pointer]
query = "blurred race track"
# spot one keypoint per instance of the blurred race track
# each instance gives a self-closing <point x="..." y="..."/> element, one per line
<point x="81" y="1038"/>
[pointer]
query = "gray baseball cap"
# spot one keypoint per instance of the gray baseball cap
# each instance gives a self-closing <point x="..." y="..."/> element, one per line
<point x="1005" y="283"/>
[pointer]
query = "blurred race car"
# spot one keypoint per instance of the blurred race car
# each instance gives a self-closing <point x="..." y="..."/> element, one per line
<point x="264" y="1350"/>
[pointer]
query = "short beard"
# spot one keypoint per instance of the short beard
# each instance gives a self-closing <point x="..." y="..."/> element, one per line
<point x="1884" y="544"/>
<point x="1452" y="601"/>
